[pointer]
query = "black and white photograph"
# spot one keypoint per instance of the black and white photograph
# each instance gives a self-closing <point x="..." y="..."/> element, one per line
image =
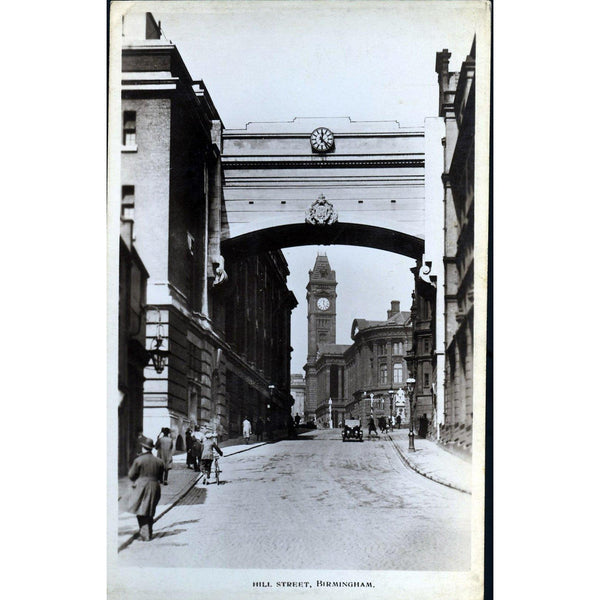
<point x="298" y="204"/>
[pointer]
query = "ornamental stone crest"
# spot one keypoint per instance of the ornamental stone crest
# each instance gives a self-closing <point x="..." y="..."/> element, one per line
<point x="321" y="212"/>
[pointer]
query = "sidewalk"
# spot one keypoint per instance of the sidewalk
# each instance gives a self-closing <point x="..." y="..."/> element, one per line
<point x="433" y="461"/>
<point x="181" y="480"/>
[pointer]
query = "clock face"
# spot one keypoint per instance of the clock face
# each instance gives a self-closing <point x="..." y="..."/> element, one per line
<point x="321" y="139"/>
<point x="322" y="304"/>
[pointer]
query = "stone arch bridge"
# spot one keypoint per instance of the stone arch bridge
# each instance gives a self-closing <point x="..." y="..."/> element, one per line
<point x="378" y="186"/>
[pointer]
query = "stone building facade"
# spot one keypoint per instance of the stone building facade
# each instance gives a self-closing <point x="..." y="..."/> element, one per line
<point x="457" y="107"/>
<point x="422" y="360"/>
<point x="298" y="392"/>
<point x="132" y="355"/>
<point x="330" y="367"/>
<point x="376" y="364"/>
<point x="172" y="186"/>
<point x="253" y="311"/>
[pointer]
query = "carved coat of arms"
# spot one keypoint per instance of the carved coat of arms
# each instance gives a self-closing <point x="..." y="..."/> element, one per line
<point x="321" y="212"/>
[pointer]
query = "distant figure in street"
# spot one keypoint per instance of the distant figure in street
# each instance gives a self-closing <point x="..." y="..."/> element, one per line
<point x="189" y="445"/>
<point x="258" y="429"/>
<point x="392" y="422"/>
<point x="291" y="427"/>
<point x="423" y="426"/>
<point x="246" y="429"/>
<point x="146" y="472"/>
<point x="399" y="420"/>
<point x="372" y="427"/>
<point x="269" y="428"/>
<point x="164" y="451"/>
<point x="197" y="447"/>
<point x="382" y="424"/>
<point x="297" y="420"/>
<point x="210" y="443"/>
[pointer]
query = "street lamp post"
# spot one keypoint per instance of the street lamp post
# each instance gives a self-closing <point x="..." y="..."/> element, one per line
<point x="391" y="393"/>
<point x="410" y="388"/>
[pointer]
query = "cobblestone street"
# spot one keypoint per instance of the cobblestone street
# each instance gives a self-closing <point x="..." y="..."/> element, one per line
<point x="313" y="503"/>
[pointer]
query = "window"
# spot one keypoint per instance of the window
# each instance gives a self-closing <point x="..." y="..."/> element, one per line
<point x="426" y="346"/>
<point x="383" y="373"/>
<point x="425" y="379"/>
<point x="397" y="372"/>
<point x="381" y="348"/>
<point x="127" y="202"/>
<point x="397" y="348"/>
<point x="129" y="128"/>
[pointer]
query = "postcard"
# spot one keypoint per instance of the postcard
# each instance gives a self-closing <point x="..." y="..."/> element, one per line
<point x="298" y="244"/>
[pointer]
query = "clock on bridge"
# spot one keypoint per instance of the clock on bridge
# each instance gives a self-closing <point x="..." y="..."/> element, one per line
<point x="321" y="140"/>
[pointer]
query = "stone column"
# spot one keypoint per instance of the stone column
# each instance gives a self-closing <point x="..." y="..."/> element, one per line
<point x="433" y="258"/>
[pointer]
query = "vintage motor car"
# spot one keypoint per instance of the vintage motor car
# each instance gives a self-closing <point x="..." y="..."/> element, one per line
<point x="352" y="430"/>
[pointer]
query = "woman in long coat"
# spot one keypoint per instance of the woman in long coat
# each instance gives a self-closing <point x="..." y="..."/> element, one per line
<point x="164" y="451"/>
<point x="146" y="471"/>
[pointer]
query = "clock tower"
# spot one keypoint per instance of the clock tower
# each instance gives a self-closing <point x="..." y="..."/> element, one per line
<point x="321" y="298"/>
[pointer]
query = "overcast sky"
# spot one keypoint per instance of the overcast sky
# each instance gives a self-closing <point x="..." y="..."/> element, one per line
<point x="370" y="61"/>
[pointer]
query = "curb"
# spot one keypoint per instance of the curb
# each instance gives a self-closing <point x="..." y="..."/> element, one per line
<point x="414" y="468"/>
<point x="185" y="493"/>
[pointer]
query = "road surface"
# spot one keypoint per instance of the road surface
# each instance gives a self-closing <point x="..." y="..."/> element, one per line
<point x="313" y="503"/>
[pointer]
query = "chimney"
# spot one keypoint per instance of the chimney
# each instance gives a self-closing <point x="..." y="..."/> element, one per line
<point x="395" y="309"/>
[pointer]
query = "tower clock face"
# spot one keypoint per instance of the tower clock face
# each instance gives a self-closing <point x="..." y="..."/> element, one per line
<point x="321" y="139"/>
<point x="322" y="304"/>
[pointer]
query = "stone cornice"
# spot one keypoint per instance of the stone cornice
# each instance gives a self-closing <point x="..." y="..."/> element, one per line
<point x="231" y="134"/>
<point x="329" y="163"/>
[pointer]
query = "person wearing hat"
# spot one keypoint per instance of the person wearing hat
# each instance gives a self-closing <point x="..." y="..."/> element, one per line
<point x="164" y="451"/>
<point x="210" y="444"/>
<point x="146" y="472"/>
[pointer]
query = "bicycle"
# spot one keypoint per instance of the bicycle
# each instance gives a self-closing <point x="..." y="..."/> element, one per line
<point x="217" y="466"/>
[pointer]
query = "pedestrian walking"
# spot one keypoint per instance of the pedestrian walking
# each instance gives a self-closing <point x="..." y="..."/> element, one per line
<point x="197" y="447"/>
<point x="423" y="426"/>
<point x="189" y="447"/>
<point x="164" y="451"/>
<point x="291" y="427"/>
<point x="372" y="427"/>
<point x="269" y="428"/>
<point x="297" y="420"/>
<point x="246" y="429"/>
<point x="382" y="424"/>
<point x="210" y="444"/>
<point x="145" y="472"/>
<point x="258" y="429"/>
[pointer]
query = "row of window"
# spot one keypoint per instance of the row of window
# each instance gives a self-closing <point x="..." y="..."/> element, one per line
<point x="397" y="374"/>
<point x="397" y="348"/>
